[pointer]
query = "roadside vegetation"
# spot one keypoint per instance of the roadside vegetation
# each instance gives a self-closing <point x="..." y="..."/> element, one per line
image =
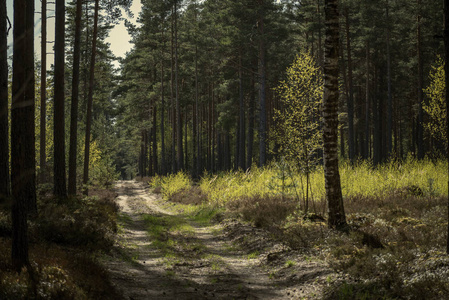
<point x="394" y="247"/>
<point x="66" y="240"/>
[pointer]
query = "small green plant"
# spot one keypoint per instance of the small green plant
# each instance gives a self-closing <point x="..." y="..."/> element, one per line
<point x="289" y="263"/>
<point x="253" y="255"/>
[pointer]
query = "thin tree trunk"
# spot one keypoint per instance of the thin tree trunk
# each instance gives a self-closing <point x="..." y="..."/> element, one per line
<point x="23" y="181"/>
<point x="43" y="115"/>
<point x="420" y="137"/>
<point x="337" y="218"/>
<point x="163" y="168"/>
<point x="90" y="100"/>
<point x="351" y="139"/>
<point x="172" y="88"/>
<point x="390" y="97"/>
<point x="249" y="154"/>
<point x="367" y="105"/>
<point x="178" y="105"/>
<point x="446" y="72"/>
<point x="241" y="142"/>
<point x="262" y="89"/>
<point x="60" y="186"/>
<point x="155" y="160"/>
<point x="4" y="126"/>
<point x="73" y="153"/>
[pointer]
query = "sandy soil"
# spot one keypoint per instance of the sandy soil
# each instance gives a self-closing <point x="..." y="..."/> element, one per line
<point x="229" y="260"/>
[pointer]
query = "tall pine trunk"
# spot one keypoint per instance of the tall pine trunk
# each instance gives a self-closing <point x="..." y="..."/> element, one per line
<point x="241" y="142"/>
<point x="351" y="135"/>
<point x="262" y="89"/>
<point x="446" y="72"/>
<point x="43" y="116"/>
<point x="419" y="125"/>
<point x="366" y="150"/>
<point x="4" y="130"/>
<point x="389" y="141"/>
<point x="90" y="100"/>
<point x="73" y="153"/>
<point x="23" y="181"/>
<point x="60" y="185"/>
<point x="334" y="197"/>
<point x="180" y="160"/>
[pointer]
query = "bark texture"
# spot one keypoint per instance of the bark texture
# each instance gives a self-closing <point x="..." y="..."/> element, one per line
<point x="334" y="197"/>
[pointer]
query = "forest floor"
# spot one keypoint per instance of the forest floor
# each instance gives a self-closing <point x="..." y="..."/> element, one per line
<point x="164" y="252"/>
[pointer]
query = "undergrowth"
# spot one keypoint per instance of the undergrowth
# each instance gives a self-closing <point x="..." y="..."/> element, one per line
<point x="397" y="213"/>
<point x="65" y="240"/>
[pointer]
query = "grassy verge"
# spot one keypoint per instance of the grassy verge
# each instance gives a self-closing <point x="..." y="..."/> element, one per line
<point x="397" y="214"/>
<point x="65" y="241"/>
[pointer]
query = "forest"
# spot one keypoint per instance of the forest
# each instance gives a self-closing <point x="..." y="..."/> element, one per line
<point x="252" y="149"/>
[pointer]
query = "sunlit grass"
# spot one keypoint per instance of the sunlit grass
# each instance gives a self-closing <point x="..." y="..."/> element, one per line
<point x="361" y="179"/>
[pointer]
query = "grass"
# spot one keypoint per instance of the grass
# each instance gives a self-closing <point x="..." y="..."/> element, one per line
<point x="397" y="213"/>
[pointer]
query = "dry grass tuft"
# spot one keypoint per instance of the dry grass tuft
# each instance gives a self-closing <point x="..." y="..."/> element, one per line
<point x="263" y="211"/>
<point x="193" y="195"/>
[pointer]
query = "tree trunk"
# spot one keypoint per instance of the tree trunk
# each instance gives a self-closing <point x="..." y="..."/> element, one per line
<point x="4" y="130"/>
<point x="90" y="100"/>
<point x="60" y="187"/>
<point x="155" y="163"/>
<point x="446" y="72"/>
<point x="172" y="89"/>
<point x="73" y="153"/>
<point x="241" y="142"/>
<point x="366" y="154"/>
<point x="351" y="139"/>
<point x="419" y="124"/>
<point x="163" y="168"/>
<point x="180" y="159"/>
<point x="23" y="181"/>
<point x="43" y="115"/>
<point x="249" y="154"/>
<point x="262" y="88"/>
<point x="389" y="140"/>
<point x="334" y="197"/>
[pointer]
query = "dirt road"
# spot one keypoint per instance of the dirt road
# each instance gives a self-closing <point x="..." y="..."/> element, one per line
<point x="164" y="254"/>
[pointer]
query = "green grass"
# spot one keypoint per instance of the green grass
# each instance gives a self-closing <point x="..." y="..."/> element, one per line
<point x="359" y="180"/>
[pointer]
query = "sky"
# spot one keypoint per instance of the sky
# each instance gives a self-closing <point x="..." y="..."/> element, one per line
<point x="118" y="36"/>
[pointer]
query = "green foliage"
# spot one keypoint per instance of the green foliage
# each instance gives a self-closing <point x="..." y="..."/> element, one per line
<point x="436" y="107"/>
<point x="174" y="183"/>
<point x="298" y="121"/>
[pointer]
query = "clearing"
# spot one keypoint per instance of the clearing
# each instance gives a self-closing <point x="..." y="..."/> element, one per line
<point x="164" y="252"/>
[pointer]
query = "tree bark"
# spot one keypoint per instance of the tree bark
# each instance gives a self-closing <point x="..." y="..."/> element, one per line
<point x="180" y="157"/>
<point x="43" y="114"/>
<point x="419" y="132"/>
<point x="4" y="126"/>
<point x="23" y="181"/>
<point x="366" y="149"/>
<point x="249" y="154"/>
<point x="446" y="72"/>
<point x="73" y="153"/>
<point x="351" y="136"/>
<point x="389" y="140"/>
<point x="163" y="169"/>
<point x="241" y="142"/>
<point x="60" y="187"/>
<point x="337" y="218"/>
<point x="90" y="100"/>
<point x="262" y="88"/>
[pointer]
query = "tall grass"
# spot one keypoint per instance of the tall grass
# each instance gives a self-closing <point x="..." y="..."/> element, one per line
<point x="363" y="179"/>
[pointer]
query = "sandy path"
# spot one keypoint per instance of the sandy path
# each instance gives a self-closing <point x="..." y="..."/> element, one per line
<point x="139" y="272"/>
<point x="208" y="266"/>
